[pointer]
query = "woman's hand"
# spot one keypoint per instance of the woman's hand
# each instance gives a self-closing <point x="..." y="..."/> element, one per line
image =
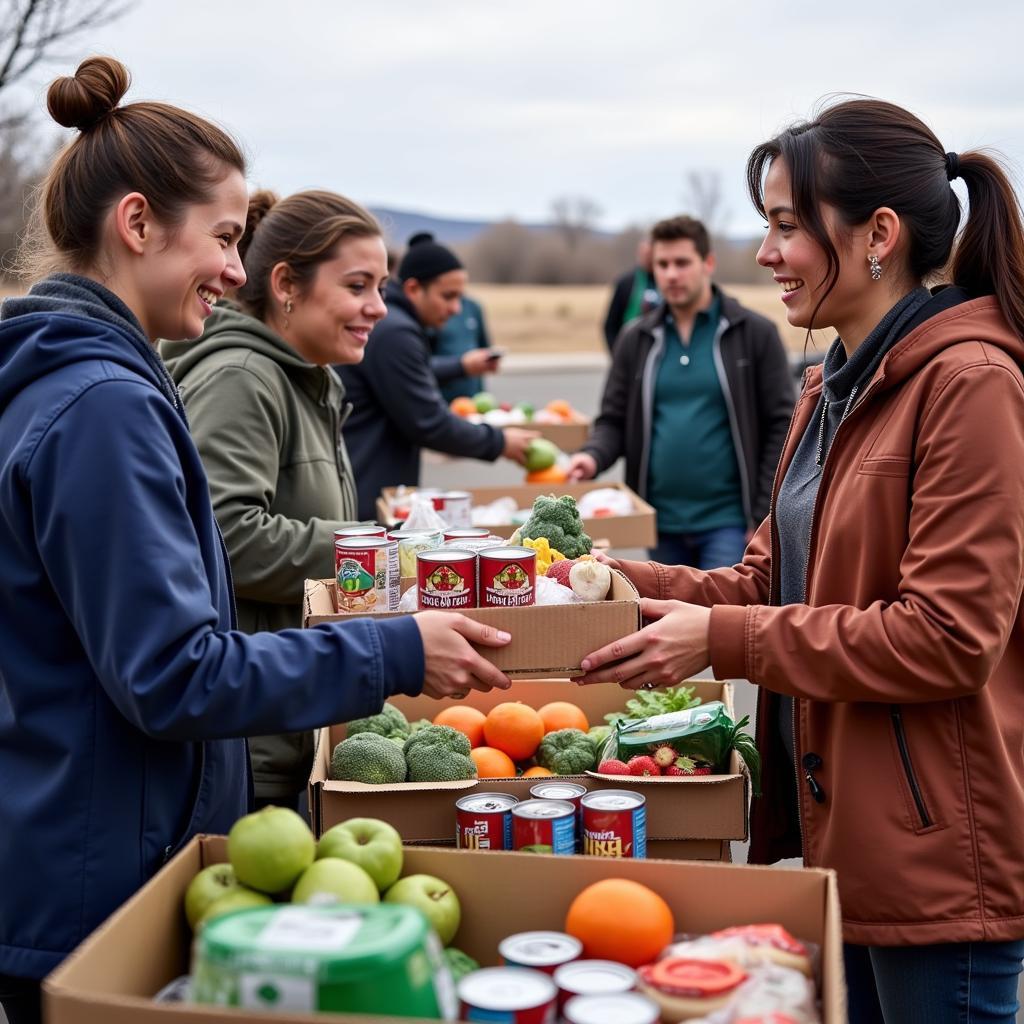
<point x="673" y="647"/>
<point x="453" y="668"/>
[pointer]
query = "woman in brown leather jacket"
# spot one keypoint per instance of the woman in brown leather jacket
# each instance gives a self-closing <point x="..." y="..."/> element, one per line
<point x="878" y="606"/>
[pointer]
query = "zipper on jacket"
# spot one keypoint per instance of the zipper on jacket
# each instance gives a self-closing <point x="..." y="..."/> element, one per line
<point x="896" y="713"/>
<point x="734" y="426"/>
<point x="812" y="763"/>
<point x="647" y="405"/>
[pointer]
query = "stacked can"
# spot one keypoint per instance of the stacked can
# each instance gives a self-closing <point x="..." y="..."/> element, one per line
<point x="592" y="978"/>
<point x="453" y="534"/>
<point x="614" y="823"/>
<point x="366" y="571"/>
<point x="540" y="951"/>
<point x="511" y="994"/>
<point x="446" y="578"/>
<point x="496" y="577"/>
<point x="544" y="826"/>
<point x="508" y="577"/>
<point x="483" y="821"/>
<point x="410" y="544"/>
<point x="571" y="791"/>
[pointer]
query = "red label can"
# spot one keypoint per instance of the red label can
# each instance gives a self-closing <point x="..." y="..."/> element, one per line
<point x="446" y="578"/>
<point x="367" y="574"/>
<point x="621" y="1007"/>
<point x="540" y="951"/>
<point x="615" y="823"/>
<point x="508" y="577"/>
<point x="508" y="995"/>
<point x="466" y="533"/>
<point x="593" y="978"/>
<point x="544" y="826"/>
<point x="483" y="821"/>
<point x="571" y="791"/>
<point x="354" y="531"/>
<point x="455" y="508"/>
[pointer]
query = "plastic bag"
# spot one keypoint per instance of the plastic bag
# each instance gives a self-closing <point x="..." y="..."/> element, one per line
<point x="497" y="513"/>
<point x="423" y="516"/>
<point x="410" y="601"/>
<point x="550" y="591"/>
<point x="705" y="733"/>
<point x="605" y="501"/>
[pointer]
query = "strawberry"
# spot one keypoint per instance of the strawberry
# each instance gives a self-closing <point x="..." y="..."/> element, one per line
<point x="643" y="765"/>
<point x="559" y="571"/>
<point x="687" y="766"/>
<point x="664" y="756"/>
<point x="613" y="767"/>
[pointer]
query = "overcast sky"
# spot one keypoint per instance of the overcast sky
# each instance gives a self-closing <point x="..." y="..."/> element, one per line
<point x="479" y="109"/>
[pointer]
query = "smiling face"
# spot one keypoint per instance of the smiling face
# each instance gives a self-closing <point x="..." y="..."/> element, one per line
<point x="331" y="319"/>
<point x="437" y="301"/>
<point x="187" y="267"/>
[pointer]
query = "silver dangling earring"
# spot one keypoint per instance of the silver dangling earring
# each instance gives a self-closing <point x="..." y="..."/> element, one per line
<point x="288" y="307"/>
<point x="876" y="268"/>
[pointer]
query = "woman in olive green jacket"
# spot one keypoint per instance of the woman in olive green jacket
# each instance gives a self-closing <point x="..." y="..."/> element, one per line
<point x="266" y="411"/>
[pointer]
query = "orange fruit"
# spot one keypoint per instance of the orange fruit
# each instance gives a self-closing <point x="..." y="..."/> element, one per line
<point x="560" y="714"/>
<point x="560" y="407"/>
<point x="536" y="772"/>
<point x="551" y="475"/>
<point x="492" y="764"/>
<point x="466" y="720"/>
<point x="618" y="919"/>
<point x="463" y="406"/>
<point x="514" y="728"/>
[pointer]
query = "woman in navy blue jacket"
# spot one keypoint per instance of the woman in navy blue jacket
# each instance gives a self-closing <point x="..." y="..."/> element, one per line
<point x="122" y="680"/>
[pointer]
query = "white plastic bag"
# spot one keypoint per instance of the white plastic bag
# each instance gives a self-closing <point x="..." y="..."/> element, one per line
<point x="605" y="501"/>
<point x="550" y="591"/>
<point x="497" y="513"/>
<point x="423" y="516"/>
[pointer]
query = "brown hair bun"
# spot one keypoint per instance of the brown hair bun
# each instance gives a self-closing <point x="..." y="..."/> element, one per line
<point x="95" y="89"/>
<point x="261" y="202"/>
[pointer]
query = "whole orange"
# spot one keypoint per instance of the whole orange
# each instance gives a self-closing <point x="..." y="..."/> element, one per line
<point x="514" y="728"/>
<point x="618" y="919"/>
<point x="492" y="764"/>
<point x="463" y="406"/>
<point x="536" y="772"/>
<point x="560" y="714"/>
<point x="467" y="720"/>
<point x="551" y="475"/>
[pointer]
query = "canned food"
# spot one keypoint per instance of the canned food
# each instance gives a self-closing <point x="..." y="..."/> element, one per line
<point x="508" y="577"/>
<point x="359" y="530"/>
<point x="508" y="995"/>
<point x="571" y="791"/>
<point x="541" y="951"/>
<point x="614" y="823"/>
<point x="593" y="978"/>
<point x="455" y="508"/>
<point x="410" y="544"/>
<point x="466" y="533"/>
<point x="621" y="1007"/>
<point x="367" y="574"/>
<point x="544" y="826"/>
<point x="446" y="578"/>
<point x="483" y="821"/>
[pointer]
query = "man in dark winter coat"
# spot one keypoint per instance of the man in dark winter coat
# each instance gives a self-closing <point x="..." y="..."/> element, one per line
<point x="698" y="399"/>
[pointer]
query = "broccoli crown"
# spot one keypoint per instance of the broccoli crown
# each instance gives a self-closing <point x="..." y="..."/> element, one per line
<point x="368" y="757"/>
<point x="389" y="722"/>
<point x="441" y="736"/>
<point x="459" y="963"/>
<point x="439" y="753"/>
<point x="567" y="752"/>
<point x="558" y="519"/>
<point x="420" y="723"/>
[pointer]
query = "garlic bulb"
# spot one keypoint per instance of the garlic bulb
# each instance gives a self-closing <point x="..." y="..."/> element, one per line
<point x="590" y="580"/>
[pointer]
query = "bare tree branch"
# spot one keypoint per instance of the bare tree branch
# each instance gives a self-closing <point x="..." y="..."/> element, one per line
<point x="703" y="198"/>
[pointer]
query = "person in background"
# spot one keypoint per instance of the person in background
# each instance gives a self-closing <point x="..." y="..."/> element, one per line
<point x="878" y="608"/>
<point x="125" y="688"/>
<point x="266" y="410"/>
<point x="633" y="295"/>
<point x="462" y="352"/>
<point x="698" y="399"/>
<point x="397" y="405"/>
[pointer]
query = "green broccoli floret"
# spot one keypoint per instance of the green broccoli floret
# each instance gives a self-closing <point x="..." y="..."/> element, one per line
<point x="558" y="519"/>
<point x="459" y="963"/>
<point x="439" y="753"/>
<point x="420" y="723"/>
<point x="390" y="722"/>
<point x="368" y="757"/>
<point x="567" y="752"/>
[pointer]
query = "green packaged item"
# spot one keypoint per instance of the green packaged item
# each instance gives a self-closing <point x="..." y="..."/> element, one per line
<point x="704" y="733"/>
<point x="380" y="959"/>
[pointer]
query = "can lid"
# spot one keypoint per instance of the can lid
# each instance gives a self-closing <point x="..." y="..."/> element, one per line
<point x="557" y="790"/>
<point x="341" y="940"/>
<point x="539" y="948"/>
<point x="687" y="976"/>
<point x="595" y="977"/>
<point x="506" y="551"/>
<point x="543" y="809"/>
<point x="506" y="988"/>
<point x="621" y="1007"/>
<point x="445" y="555"/>
<point x="372" y="541"/>
<point x="613" y="799"/>
<point x="481" y="802"/>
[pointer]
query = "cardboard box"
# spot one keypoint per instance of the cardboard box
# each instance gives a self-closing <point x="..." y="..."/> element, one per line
<point x="638" y="530"/>
<point x="570" y="437"/>
<point x="112" y="976"/>
<point x="701" y="811"/>
<point x="547" y="640"/>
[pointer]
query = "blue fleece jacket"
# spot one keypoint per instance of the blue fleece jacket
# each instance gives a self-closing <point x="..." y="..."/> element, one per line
<point x="124" y="689"/>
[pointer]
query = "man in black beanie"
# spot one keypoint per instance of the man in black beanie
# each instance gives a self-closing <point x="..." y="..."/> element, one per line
<point x="397" y="407"/>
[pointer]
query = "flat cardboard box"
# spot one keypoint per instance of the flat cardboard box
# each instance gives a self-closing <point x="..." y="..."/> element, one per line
<point x="112" y="976"/>
<point x="700" y="811"/>
<point x="638" y="530"/>
<point x="547" y="640"/>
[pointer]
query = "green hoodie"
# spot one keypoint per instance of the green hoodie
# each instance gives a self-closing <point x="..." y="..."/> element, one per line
<point x="268" y="428"/>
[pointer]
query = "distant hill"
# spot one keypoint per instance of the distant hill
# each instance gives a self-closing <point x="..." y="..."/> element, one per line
<point x="399" y="225"/>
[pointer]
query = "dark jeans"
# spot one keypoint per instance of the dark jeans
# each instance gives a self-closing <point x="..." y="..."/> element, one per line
<point x="955" y="983"/>
<point x="20" y="998"/>
<point x="708" y="549"/>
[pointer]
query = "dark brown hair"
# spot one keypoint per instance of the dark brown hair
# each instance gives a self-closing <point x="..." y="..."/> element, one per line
<point x="672" y="229"/>
<point x="172" y="157"/>
<point x="861" y="154"/>
<point x="302" y="231"/>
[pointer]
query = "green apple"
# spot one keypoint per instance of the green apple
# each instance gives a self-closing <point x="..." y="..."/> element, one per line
<point x="435" y="898"/>
<point x="237" y="899"/>
<point x="485" y="401"/>
<point x="540" y="454"/>
<point x="335" y="881"/>
<point x="526" y="409"/>
<point x="372" y="844"/>
<point x="207" y="887"/>
<point x="270" y="849"/>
